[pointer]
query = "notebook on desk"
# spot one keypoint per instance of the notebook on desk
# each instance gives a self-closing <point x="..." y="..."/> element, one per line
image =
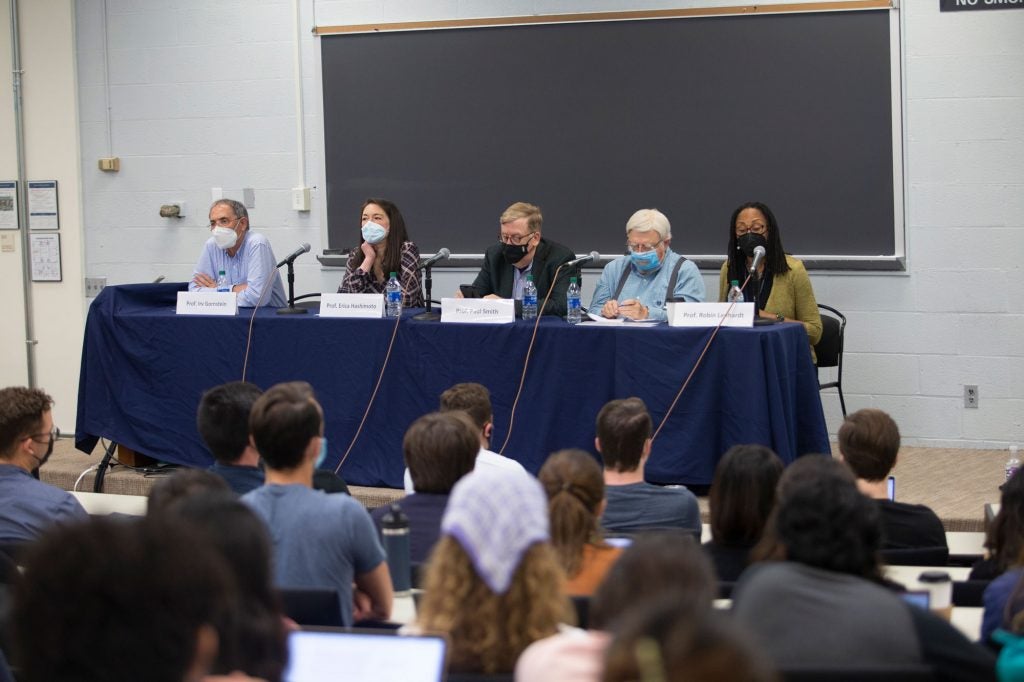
<point x="330" y="654"/>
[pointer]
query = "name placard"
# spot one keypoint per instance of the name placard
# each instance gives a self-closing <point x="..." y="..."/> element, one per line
<point x="709" y="314"/>
<point x="351" y="305"/>
<point x="478" y="310"/>
<point x="207" y="303"/>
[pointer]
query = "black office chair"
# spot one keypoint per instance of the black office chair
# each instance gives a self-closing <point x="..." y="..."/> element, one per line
<point x="829" y="349"/>
<point x="311" y="606"/>
<point x="907" y="673"/>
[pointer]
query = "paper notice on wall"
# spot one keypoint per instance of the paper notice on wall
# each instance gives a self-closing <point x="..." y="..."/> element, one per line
<point x="42" y="205"/>
<point x="45" y="252"/>
<point x="8" y="205"/>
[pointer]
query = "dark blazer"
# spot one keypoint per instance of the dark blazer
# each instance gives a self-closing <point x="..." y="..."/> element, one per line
<point x="496" y="276"/>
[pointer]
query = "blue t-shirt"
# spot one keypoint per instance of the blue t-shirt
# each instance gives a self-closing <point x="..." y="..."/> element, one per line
<point x="242" y="479"/>
<point x="30" y="506"/>
<point x="635" y="507"/>
<point x="320" y="540"/>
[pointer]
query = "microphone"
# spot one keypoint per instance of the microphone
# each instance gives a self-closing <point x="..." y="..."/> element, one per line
<point x="758" y="257"/>
<point x="592" y="256"/>
<point x="440" y="255"/>
<point x="298" y="252"/>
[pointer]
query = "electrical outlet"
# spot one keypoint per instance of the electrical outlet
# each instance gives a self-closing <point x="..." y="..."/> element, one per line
<point x="971" y="396"/>
<point x="300" y="199"/>
<point x="94" y="285"/>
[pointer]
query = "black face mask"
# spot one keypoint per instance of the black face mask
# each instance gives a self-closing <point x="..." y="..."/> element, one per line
<point x="750" y="241"/>
<point x="49" y="451"/>
<point x="514" y="253"/>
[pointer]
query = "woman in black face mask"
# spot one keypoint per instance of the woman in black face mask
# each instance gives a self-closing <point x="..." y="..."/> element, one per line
<point x="785" y="289"/>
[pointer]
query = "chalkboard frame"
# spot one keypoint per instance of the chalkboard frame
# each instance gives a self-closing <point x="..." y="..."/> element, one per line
<point x="343" y="231"/>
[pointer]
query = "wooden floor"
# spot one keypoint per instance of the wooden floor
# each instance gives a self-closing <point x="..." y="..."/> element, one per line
<point x="955" y="483"/>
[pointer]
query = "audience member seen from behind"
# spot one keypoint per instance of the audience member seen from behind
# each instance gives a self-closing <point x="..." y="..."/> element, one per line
<point x="475" y="400"/>
<point x="660" y="641"/>
<point x="574" y="485"/>
<point x="649" y="571"/>
<point x="27" y="435"/>
<point x="223" y="422"/>
<point x="822" y="605"/>
<point x="320" y="540"/>
<point x="493" y="584"/>
<point x="245" y="257"/>
<point x="180" y="484"/>
<point x="522" y="250"/>
<point x="1004" y="539"/>
<point x="624" y="441"/>
<point x="234" y="530"/>
<point x="741" y="499"/>
<point x="640" y="284"/>
<point x="121" y="601"/>
<point x="786" y="294"/>
<point x="869" y="441"/>
<point x="384" y="247"/>
<point x="439" y="449"/>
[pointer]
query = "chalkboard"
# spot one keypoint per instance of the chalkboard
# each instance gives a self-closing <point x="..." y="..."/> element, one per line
<point x="592" y="121"/>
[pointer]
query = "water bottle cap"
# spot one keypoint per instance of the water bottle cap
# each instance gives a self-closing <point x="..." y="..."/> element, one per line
<point x="395" y="518"/>
<point x="220" y="272"/>
<point x="572" y="280"/>
<point x="735" y="282"/>
<point x="394" y="274"/>
<point x="529" y="278"/>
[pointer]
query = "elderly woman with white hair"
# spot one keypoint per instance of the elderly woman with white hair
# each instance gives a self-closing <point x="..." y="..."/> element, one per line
<point x="639" y="284"/>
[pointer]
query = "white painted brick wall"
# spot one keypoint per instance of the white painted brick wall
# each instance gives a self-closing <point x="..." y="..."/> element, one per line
<point x="202" y="96"/>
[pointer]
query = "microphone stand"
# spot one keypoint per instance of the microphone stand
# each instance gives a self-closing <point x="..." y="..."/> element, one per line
<point x="428" y="282"/>
<point x="759" y="321"/>
<point x="291" y="309"/>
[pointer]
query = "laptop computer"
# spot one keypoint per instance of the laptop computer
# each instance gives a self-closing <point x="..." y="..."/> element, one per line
<point x="331" y="654"/>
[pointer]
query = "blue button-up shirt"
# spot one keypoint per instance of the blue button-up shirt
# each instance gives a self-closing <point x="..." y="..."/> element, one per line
<point x="253" y="264"/>
<point x="30" y="506"/>
<point x="649" y="288"/>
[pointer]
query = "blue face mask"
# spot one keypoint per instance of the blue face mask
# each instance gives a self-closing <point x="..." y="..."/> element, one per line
<point x="323" y="453"/>
<point x="373" y="233"/>
<point x="645" y="262"/>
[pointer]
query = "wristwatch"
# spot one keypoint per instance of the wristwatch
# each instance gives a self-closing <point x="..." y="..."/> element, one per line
<point x="779" y="317"/>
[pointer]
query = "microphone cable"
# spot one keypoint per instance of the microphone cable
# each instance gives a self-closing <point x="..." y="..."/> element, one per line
<point x="526" y="361"/>
<point x="373" y="396"/>
<point x="252" y="320"/>
<point x="696" y="365"/>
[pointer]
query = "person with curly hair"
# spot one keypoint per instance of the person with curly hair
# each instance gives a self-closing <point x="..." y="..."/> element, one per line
<point x="574" y="484"/>
<point x="822" y="603"/>
<point x="493" y="584"/>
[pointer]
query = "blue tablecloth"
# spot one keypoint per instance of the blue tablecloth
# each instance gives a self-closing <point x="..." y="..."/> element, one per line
<point x="144" y="369"/>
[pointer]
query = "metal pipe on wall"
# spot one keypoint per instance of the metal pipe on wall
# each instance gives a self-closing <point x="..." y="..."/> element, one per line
<point x="26" y="256"/>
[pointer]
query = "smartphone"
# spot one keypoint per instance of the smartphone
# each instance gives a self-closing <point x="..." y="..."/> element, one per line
<point x="469" y="291"/>
<point x="890" y="487"/>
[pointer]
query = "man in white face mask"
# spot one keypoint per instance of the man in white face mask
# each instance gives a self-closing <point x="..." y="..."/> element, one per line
<point x="245" y="257"/>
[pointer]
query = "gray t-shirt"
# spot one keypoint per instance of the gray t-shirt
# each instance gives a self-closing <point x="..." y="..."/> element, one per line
<point x="805" y="616"/>
<point x="320" y="540"/>
<point x="635" y="507"/>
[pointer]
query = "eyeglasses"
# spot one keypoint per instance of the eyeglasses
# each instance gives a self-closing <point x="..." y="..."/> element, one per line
<point x="756" y="228"/>
<point x="53" y="434"/>
<point x="223" y="222"/>
<point x="643" y="248"/>
<point x="516" y="239"/>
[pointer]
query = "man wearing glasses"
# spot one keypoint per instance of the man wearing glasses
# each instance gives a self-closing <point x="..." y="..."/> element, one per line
<point x="245" y="257"/>
<point x="26" y="442"/>
<point x="522" y="250"/>
<point x="639" y="284"/>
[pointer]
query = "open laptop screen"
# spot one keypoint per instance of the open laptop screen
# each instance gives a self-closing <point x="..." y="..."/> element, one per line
<point x="325" y="655"/>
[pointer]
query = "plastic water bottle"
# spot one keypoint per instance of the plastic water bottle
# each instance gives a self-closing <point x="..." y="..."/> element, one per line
<point x="529" y="299"/>
<point x="572" y="299"/>
<point x="1013" y="463"/>
<point x="222" y="281"/>
<point x="395" y="533"/>
<point x="393" y="297"/>
<point x="735" y="293"/>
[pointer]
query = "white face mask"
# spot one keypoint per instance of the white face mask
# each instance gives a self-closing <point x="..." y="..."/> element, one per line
<point x="225" y="237"/>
